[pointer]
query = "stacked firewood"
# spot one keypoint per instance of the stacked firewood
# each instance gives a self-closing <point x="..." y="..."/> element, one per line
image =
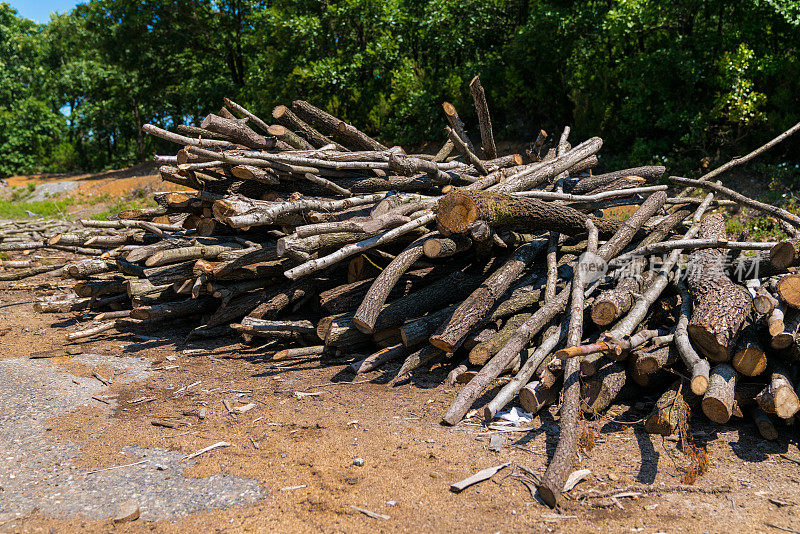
<point x="317" y="238"/>
<point x="32" y="239"/>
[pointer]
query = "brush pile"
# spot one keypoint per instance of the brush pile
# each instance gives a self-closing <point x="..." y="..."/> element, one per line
<point x="317" y="238"/>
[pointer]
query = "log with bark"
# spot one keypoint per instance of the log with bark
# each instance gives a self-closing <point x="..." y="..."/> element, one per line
<point x="720" y="306"/>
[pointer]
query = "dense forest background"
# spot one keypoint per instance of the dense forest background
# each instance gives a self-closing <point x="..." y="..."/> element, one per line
<point x="682" y="82"/>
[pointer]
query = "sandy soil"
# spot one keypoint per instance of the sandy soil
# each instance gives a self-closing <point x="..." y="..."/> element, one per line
<point x="301" y="448"/>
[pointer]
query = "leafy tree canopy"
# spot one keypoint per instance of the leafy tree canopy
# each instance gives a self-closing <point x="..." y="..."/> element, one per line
<point x="659" y="81"/>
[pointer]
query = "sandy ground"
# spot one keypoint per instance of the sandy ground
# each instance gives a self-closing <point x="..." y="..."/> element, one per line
<point x="290" y="463"/>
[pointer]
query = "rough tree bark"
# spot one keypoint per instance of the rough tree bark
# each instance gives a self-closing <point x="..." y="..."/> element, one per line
<point x="720" y="306"/>
<point x="718" y="400"/>
<point x="485" y="122"/>
<point x="475" y="308"/>
<point x="456" y="212"/>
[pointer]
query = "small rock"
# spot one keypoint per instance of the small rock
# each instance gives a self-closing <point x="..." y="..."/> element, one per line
<point x="127" y="511"/>
<point x="358" y="462"/>
<point x="612" y="476"/>
<point x="73" y="350"/>
<point x="496" y="443"/>
<point x="392" y="502"/>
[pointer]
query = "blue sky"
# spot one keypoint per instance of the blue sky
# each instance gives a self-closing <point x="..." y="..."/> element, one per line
<point x="39" y="10"/>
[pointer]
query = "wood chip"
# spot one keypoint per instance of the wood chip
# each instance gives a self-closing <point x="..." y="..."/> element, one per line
<point x="205" y="450"/>
<point x="301" y="394"/>
<point x="627" y="494"/>
<point x="480" y="476"/>
<point x="47" y="354"/>
<point x="575" y="478"/>
<point x="791" y="458"/>
<point x="368" y="513"/>
<point x="785" y="529"/>
<point x="102" y="380"/>
<point x="142" y="399"/>
<point x="165" y="424"/>
<point x="496" y="443"/>
<point x="245" y="408"/>
<point x="127" y="511"/>
<point x="184" y="388"/>
<point x="115" y="467"/>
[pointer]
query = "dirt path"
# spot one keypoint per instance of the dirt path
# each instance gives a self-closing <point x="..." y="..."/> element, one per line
<point x="82" y="195"/>
<point x="290" y="466"/>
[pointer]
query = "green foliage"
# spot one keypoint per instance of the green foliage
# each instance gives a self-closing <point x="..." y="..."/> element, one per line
<point x="18" y="209"/>
<point x="668" y="82"/>
<point x="21" y="193"/>
<point x="28" y="124"/>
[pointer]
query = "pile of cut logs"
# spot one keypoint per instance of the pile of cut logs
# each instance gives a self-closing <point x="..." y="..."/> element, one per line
<point x="30" y="237"/>
<point x="312" y="235"/>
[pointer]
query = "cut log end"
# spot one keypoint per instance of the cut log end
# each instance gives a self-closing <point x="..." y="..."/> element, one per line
<point x="708" y="344"/>
<point x="786" y="403"/>
<point x="456" y="212"/>
<point x="548" y="496"/>
<point x="789" y="290"/>
<point x="647" y="365"/>
<point x="432" y="248"/>
<point x="276" y="129"/>
<point x="361" y="325"/>
<point x="479" y="355"/>
<point x="279" y="111"/>
<point x="536" y="396"/>
<point x="719" y="400"/>
<point x="699" y="385"/>
<point x="783" y="254"/>
<point x="717" y="410"/>
<point x="750" y="361"/>
<point x="604" y="313"/>
<point x="442" y="344"/>
<point x="779" y="339"/>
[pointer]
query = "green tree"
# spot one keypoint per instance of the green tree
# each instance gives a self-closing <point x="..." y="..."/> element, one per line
<point x="29" y="122"/>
